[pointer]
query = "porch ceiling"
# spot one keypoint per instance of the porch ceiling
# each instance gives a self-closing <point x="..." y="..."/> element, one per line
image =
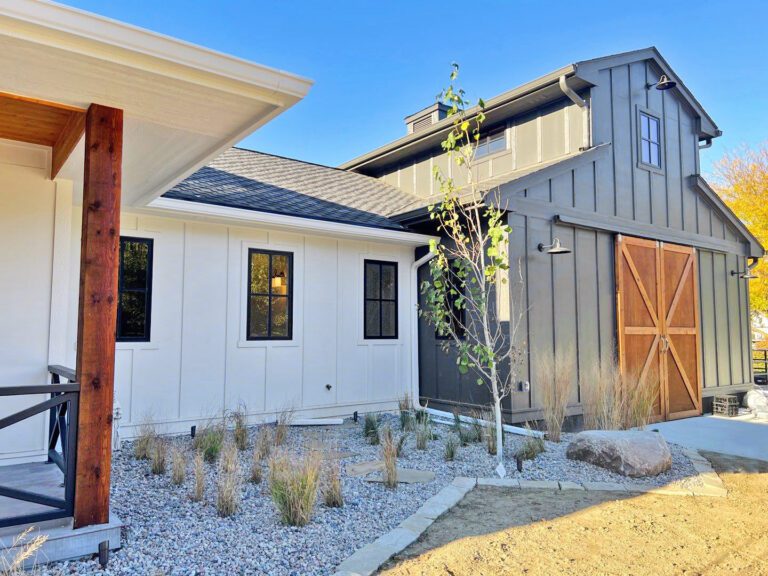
<point x="183" y="105"/>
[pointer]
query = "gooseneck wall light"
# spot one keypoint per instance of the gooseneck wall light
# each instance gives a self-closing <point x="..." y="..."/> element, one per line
<point x="555" y="248"/>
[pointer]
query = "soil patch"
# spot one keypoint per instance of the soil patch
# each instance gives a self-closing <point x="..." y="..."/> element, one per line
<point x="497" y="531"/>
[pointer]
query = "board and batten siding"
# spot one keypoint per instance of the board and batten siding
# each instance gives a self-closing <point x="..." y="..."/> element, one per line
<point x="585" y="201"/>
<point x="199" y="361"/>
<point x="571" y="298"/>
<point x="28" y="204"/>
<point x="533" y="138"/>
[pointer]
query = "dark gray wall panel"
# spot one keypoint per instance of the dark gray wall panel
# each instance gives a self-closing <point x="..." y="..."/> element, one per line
<point x="707" y="319"/>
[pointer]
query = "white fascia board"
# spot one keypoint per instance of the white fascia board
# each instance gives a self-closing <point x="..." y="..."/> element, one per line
<point x="242" y="217"/>
<point x="79" y="31"/>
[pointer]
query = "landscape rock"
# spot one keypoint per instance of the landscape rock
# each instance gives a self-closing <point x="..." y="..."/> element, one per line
<point x="756" y="399"/>
<point x="634" y="453"/>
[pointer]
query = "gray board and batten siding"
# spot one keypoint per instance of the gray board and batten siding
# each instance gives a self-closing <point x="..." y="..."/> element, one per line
<point x="586" y="198"/>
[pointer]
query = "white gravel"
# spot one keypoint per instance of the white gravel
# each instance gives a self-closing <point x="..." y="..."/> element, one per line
<point x="168" y="534"/>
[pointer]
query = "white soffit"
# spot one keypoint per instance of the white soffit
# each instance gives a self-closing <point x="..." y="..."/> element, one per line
<point x="183" y="104"/>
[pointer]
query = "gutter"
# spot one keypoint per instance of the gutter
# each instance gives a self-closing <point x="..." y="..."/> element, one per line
<point x="415" y="365"/>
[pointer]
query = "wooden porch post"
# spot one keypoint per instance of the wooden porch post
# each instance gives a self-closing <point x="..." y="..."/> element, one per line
<point x="97" y="312"/>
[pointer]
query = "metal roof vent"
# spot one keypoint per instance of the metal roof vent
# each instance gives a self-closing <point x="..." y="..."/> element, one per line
<point x="427" y="117"/>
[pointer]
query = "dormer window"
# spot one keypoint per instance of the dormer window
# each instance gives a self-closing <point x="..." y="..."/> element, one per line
<point x="650" y="140"/>
<point x="491" y="143"/>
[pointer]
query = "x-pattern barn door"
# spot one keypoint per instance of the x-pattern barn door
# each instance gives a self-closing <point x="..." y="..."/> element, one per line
<point x="658" y="322"/>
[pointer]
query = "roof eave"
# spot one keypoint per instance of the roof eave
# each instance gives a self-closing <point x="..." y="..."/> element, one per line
<point x="242" y="216"/>
<point x="442" y="127"/>
<point x="79" y="31"/>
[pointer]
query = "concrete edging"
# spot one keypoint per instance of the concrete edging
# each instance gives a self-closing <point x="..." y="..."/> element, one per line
<point x="371" y="557"/>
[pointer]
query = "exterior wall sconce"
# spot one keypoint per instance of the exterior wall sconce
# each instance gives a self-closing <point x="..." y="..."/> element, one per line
<point x="555" y="248"/>
<point x="664" y="83"/>
<point x="746" y="275"/>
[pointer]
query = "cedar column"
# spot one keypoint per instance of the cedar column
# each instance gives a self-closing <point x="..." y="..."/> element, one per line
<point x="97" y="312"/>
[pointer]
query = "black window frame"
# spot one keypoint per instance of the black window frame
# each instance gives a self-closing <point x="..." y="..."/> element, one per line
<point x="380" y="299"/>
<point x="269" y="295"/>
<point x="643" y="113"/>
<point x="458" y="315"/>
<point x="483" y="146"/>
<point x="147" y="290"/>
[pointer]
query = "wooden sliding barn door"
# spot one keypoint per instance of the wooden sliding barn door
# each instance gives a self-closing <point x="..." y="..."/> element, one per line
<point x="681" y="360"/>
<point x="658" y="322"/>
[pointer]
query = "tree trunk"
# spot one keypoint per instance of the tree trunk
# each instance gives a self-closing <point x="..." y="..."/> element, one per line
<point x="497" y="414"/>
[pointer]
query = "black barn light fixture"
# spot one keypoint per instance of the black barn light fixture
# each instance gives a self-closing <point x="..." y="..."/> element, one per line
<point x="555" y="248"/>
<point x="664" y="83"/>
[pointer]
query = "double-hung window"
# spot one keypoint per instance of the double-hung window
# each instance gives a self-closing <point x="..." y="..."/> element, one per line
<point x="380" y="291"/>
<point x="650" y="140"/>
<point x="270" y="295"/>
<point x="134" y="290"/>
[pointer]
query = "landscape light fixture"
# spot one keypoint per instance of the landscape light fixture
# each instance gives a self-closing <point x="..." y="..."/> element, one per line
<point x="555" y="248"/>
<point x="664" y="83"/>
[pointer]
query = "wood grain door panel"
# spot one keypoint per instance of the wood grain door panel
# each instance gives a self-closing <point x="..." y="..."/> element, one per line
<point x="639" y="305"/>
<point x="658" y="322"/>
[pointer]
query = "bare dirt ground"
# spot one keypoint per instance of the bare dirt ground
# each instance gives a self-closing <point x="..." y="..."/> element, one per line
<point x="495" y="532"/>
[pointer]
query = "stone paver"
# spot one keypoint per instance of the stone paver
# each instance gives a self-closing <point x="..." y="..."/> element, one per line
<point x="364" y="468"/>
<point x="406" y="476"/>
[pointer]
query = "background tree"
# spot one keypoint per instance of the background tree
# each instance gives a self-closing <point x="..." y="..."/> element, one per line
<point x="742" y="182"/>
<point x="468" y="264"/>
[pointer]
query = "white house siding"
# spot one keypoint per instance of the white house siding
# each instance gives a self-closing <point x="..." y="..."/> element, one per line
<point x="27" y="204"/>
<point x="199" y="362"/>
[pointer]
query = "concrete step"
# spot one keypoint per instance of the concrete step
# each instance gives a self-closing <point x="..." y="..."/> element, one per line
<point x="63" y="541"/>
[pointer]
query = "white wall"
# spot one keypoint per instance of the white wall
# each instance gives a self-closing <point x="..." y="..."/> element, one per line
<point x="27" y="205"/>
<point x="199" y="362"/>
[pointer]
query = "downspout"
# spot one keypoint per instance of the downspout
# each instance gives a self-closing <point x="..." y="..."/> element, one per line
<point x="415" y="330"/>
<point x="584" y="105"/>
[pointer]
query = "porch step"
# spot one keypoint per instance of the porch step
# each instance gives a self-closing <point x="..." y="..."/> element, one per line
<point x="64" y="542"/>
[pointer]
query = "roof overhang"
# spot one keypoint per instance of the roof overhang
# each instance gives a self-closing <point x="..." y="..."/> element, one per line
<point x="183" y="104"/>
<point x="175" y="208"/>
<point x="534" y="94"/>
<point x="517" y="101"/>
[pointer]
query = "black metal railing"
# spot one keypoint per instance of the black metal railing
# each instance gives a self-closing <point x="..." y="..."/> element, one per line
<point x="62" y="407"/>
<point x="760" y="366"/>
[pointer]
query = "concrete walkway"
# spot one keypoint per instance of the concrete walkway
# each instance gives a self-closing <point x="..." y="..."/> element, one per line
<point x="736" y="436"/>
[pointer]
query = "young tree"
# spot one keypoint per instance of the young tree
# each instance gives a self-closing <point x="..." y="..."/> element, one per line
<point x="470" y="263"/>
<point x="743" y="185"/>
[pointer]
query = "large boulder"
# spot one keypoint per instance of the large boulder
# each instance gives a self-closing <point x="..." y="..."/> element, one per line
<point x="756" y="399"/>
<point x="632" y="453"/>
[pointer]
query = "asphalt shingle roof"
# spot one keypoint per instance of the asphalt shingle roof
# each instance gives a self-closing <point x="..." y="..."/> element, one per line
<point x="253" y="180"/>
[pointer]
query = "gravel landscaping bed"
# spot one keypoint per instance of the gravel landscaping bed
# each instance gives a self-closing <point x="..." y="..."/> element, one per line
<point x="168" y="534"/>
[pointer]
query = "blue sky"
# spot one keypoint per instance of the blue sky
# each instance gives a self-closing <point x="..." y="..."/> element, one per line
<point x="375" y="62"/>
